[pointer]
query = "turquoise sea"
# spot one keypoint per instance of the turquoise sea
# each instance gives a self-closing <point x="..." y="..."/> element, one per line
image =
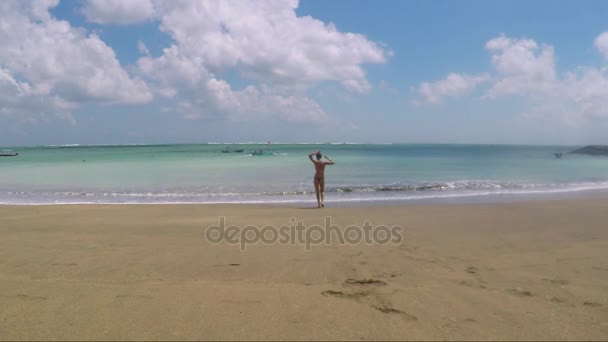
<point x="363" y="173"/>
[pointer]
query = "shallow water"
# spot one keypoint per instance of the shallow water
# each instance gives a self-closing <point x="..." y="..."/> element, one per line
<point x="369" y="173"/>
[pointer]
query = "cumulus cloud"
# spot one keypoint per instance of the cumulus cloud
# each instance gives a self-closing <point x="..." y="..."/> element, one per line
<point x="527" y="69"/>
<point x="521" y="64"/>
<point x="453" y="85"/>
<point x="118" y="11"/>
<point x="49" y="62"/>
<point x="580" y="95"/>
<point x="601" y="44"/>
<point x="269" y="43"/>
<point x="252" y="103"/>
<point x="19" y="100"/>
<point x="515" y="57"/>
<point x="279" y="54"/>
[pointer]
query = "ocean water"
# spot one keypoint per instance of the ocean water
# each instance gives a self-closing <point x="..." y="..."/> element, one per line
<point x="363" y="173"/>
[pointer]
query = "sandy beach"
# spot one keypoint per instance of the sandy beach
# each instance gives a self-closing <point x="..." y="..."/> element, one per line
<point x="506" y="271"/>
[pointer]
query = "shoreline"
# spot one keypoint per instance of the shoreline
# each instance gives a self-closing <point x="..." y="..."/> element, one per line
<point x="532" y="270"/>
<point x="439" y="199"/>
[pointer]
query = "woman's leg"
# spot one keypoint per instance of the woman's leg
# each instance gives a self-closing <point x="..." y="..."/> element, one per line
<point x="317" y="191"/>
<point x="322" y="190"/>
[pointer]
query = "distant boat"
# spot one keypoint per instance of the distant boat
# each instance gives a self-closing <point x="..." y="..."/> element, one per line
<point x="8" y="153"/>
<point x="228" y="150"/>
<point x="261" y="152"/>
<point x="558" y="155"/>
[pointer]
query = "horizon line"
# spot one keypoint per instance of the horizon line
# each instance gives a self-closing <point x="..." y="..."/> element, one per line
<point x="287" y="143"/>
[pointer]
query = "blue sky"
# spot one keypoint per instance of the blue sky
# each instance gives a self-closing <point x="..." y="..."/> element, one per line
<point x="521" y="72"/>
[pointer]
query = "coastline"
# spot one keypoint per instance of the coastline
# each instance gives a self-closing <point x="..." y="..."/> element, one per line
<point x="365" y="173"/>
<point x="522" y="270"/>
<point x="336" y="199"/>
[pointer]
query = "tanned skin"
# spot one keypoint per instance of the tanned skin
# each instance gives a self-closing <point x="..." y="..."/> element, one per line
<point x="319" y="179"/>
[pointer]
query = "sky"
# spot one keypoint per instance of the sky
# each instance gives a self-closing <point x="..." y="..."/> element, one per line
<point x="185" y="71"/>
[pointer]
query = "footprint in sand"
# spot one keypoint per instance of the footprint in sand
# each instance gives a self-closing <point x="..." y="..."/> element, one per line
<point x="358" y="297"/>
<point x="556" y="281"/>
<point x="471" y="269"/>
<point x="29" y="298"/>
<point x="390" y="310"/>
<point x="520" y="292"/>
<point x="478" y="283"/>
<point x="228" y="265"/>
<point x="558" y="300"/>
<point x="340" y="294"/>
<point x="364" y="282"/>
<point x="25" y="297"/>
<point x="592" y="304"/>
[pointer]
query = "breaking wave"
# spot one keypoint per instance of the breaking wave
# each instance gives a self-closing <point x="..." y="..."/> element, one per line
<point x="344" y="193"/>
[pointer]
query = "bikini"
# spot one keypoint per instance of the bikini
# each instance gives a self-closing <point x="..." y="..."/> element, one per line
<point x="318" y="178"/>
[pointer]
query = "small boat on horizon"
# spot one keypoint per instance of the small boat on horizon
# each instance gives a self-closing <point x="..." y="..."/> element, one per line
<point x="263" y="152"/>
<point x="228" y="150"/>
<point x="8" y="153"/>
<point x="259" y="152"/>
<point x="266" y="153"/>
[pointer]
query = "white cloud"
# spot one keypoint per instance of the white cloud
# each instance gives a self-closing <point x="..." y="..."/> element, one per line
<point x="521" y="64"/>
<point x="118" y="11"/>
<point x="453" y="85"/>
<point x="47" y="61"/>
<point x="601" y="44"/>
<point x="201" y="95"/>
<point x="142" y="48"/>
<point x="269" y="43"/>
<point x="580" y="95"/>
<point x="526" y="69"/>
<point x="514" y="57"/>
<point x="19" y="99"/>
<point x="279" y="54"/>
<point x="251" y="103"/>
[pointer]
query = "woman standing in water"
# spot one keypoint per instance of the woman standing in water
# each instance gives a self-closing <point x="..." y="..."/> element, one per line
<point x="319" y="179"/>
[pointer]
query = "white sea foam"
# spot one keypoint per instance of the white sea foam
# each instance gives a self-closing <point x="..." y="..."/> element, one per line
<point x="65" y="198"/>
